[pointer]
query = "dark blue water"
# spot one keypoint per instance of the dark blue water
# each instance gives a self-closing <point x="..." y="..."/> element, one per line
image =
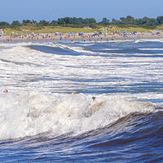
<point x="135" y="137"/>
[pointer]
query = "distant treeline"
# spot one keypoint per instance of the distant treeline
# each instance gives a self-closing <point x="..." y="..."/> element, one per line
<point x="78" y="22"/>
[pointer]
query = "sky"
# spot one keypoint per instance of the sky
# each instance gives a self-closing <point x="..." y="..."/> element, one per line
<point x="12" y="10"/>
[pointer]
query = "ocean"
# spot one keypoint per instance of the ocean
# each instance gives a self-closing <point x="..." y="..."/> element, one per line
<point x="115" y="116"/>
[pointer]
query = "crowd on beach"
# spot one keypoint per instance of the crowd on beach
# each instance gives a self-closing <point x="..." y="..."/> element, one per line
<point x="78" y="36"/>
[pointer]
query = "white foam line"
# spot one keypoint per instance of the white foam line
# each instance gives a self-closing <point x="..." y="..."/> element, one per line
<point x="150" y="48"/>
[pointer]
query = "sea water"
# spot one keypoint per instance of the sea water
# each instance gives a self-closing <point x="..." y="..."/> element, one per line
<point x="116" y="114"/>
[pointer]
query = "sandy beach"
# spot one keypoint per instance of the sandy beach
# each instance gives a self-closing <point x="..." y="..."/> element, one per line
<point x="75" y="37"/>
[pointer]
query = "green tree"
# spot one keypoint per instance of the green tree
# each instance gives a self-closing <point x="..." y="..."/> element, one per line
<point x="122" y="20"/>
<point x="16" y="23"/>
<point x="129" y="20"/>
<point x="75" y="20"/>
<point x="60" y="21"/>
<point x="114" y="21"/>
<point x="80" y="20"/>
<point x="67" y="20"/>
<point x="104" y="21"/>
<point x="92" y="20"/>
<point x="160" y="19"/>
<point x="34" y="22"/>
<point x="4" y="23"/>
<point x="149" y="21"/>
<point x="85" y="21"/>
<point x="153" y="22"/>
<point x="26" y="21"/>
<point x="43" y="22"/>
<point x="139" y="22"/>
<point x="53" y="22"/>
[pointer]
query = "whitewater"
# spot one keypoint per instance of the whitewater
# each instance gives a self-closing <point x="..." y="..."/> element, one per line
<point x="115" y="116"/>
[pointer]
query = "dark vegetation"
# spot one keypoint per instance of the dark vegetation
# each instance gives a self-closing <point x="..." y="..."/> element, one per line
<point x="74" y="22"/>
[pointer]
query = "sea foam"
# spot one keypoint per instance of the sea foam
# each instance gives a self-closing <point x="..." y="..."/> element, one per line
<point x="33" y="113"/>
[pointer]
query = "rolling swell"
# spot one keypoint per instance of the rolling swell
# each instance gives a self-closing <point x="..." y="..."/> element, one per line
<point x="59" y="49"/>
<point x="136" y="137"/>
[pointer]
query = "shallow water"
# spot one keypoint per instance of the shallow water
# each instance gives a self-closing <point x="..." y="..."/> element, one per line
<point x="41" y="121"/>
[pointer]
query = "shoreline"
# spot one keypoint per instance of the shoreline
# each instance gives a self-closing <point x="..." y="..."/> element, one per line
<point x="88" y="37"/>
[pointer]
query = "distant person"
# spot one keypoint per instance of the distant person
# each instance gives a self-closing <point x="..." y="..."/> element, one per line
<point x="73" y="93"/>
<point x="5" y="91"/>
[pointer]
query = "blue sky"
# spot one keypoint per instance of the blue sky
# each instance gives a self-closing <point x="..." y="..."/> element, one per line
<point x="53" y="9"/>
